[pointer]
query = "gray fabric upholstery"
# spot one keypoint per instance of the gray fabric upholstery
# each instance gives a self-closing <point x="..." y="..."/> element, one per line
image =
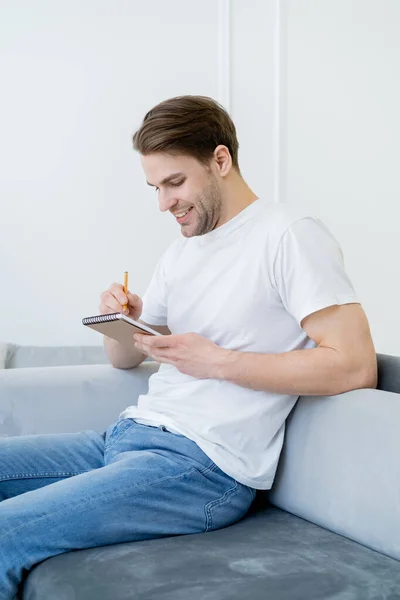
<point x="50" y="356"/>
<point x="388" y="372"/>
<point x="339" y="466"/>
<point x="269" y="555"/>
<point x="68" y="399"/>
<point x="17" y="357"/>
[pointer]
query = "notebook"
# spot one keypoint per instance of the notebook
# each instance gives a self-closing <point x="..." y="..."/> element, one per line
<point x="118" y="326"/>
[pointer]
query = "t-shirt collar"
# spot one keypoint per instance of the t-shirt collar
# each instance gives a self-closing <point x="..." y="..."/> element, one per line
<point x="223" y="230"/>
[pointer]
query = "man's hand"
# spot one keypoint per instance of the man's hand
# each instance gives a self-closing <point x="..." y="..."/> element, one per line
<point x="191" y="353"/>
<point x="114" y="299"/>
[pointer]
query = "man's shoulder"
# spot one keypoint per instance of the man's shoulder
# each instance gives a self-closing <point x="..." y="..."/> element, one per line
<point x="280" y="216"/>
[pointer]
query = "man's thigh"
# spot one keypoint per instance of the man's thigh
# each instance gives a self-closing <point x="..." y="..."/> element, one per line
<point x="153" y="484"/>
<point x="34" y="461"/>
<point x="145" y="491"/>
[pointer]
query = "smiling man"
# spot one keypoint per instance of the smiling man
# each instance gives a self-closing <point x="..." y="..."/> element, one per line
<point x="256" y="309"/>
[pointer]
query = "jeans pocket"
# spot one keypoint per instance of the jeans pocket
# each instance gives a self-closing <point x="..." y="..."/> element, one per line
<point x="118" y="430"/>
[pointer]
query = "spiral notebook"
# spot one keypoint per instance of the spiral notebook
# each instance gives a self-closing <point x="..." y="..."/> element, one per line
<point x="118" y="326"/>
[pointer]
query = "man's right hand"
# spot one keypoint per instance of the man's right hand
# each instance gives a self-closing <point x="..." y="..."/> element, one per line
<point x="113" y="299"/>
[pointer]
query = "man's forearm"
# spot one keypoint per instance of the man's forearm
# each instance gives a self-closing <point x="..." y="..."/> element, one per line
<point x="313" y="372"/>
<point x="121" y="356"/>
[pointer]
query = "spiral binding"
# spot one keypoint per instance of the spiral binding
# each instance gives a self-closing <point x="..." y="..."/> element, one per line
<point x="100" y="319"/>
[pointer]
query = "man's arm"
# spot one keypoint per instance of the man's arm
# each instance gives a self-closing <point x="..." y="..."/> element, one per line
<point x="343" y="360"/>
<point x="122" y="356"/>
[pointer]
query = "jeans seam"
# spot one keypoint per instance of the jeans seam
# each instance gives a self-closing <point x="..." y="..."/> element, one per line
<point x="121" y="434"/>
<point x="38" y="475"/>
<point x="206" y="470"/>
<point x="217" y="502"/>
<point x="97" y="497"/>
<point x="203" y="471"/>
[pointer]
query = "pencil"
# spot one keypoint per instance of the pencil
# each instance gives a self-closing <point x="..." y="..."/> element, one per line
<point x="125" y="287"/>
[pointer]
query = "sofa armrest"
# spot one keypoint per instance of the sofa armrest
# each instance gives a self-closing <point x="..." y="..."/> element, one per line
<point x="339" y="466"/>
<point x="68" y="398"/>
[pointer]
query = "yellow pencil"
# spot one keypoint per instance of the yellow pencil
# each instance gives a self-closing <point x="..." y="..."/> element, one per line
<point x="125" y="286"/>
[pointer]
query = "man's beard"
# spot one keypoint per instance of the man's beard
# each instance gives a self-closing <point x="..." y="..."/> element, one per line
<point x="208" y="207"/>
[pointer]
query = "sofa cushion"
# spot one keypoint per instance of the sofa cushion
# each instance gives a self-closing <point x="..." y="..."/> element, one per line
<point x="269" y="555"/>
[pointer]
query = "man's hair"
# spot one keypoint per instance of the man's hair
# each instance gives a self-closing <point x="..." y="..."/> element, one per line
<point x="191" y="125"/>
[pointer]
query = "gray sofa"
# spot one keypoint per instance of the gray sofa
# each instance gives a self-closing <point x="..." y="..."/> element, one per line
<point x="329" y="528"/>
<point x="15" y="356"/>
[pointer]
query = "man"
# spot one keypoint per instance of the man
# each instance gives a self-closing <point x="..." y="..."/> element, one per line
<point x="256" y="309"/>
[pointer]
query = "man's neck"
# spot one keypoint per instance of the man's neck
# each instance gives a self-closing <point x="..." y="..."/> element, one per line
<point x="236" y="196"/>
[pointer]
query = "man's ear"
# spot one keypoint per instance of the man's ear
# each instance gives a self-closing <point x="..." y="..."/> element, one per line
<point x="223" y="160"/>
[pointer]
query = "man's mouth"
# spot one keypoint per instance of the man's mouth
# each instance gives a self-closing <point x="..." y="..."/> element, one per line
<point x="183" y="216"/>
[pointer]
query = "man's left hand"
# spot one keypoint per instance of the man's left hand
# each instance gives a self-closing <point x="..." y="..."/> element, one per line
<point x="191" y="353"/>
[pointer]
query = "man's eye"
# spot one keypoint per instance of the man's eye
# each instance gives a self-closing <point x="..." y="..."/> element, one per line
<point x="176" y="184"/>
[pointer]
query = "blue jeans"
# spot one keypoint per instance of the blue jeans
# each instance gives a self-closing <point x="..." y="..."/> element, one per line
<point x="63" y="492"/>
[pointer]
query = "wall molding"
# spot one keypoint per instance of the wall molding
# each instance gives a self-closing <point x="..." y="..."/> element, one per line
<point x="224" y="53"/>
<point x="279" y="96"/>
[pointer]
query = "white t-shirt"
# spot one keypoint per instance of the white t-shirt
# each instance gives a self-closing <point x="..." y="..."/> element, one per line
<point x="246" y="286"/>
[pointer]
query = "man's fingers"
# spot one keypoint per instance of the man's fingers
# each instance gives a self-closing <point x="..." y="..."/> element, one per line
<point x="155" y="341"/>
<point x="113" y="305"/>
<point x="117" y="290"/>
<point x="133" y="300"/>
<point x="109" y="303"/>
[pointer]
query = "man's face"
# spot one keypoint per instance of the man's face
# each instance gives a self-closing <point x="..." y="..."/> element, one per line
<point x="183" y="183"/>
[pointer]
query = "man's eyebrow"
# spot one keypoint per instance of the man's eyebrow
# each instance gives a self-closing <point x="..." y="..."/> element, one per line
<point x="169" y="178"/>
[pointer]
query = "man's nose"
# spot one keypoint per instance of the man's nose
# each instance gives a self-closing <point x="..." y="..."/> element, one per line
<point x="166" y="200"/>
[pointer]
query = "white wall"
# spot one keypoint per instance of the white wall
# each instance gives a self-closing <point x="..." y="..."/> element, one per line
<point x="341" y="139"/>
<point x="318" y="125"/>
<point x="77" y="79"/>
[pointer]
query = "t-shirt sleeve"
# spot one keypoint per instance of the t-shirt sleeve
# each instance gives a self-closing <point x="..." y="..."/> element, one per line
<point x="155" y="297"/>
<point x="309" y="269"/>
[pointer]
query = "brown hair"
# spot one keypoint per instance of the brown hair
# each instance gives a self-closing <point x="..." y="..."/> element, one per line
<point x="192" y="125"/>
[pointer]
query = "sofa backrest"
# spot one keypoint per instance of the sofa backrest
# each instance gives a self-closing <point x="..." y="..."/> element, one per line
<point x="339" y="463"/>
<point x="52" y="356"/>
<point x="388" y="373"/>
